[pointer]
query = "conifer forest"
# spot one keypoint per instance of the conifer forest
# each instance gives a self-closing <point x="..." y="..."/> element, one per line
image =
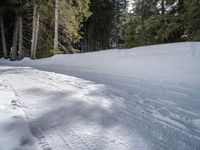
<point x="42" y="28"/>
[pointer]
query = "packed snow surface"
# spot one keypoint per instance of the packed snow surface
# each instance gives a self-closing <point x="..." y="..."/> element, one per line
<point x="145" y="98"/>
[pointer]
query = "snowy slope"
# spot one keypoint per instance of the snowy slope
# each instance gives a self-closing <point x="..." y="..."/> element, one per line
<point x="141" y="98"/>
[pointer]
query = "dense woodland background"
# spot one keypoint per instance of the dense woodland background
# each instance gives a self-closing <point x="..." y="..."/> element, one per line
<point x="42" y="28"/>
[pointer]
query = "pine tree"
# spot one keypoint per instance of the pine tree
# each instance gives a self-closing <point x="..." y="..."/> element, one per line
<point x="32" y="32"/>
<point x="161" y="21"/>
<point x="102" y="32"/>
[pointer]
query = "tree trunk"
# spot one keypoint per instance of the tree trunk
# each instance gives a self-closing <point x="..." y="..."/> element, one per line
<point x="163" y="7"/>
<point x="56" y="27"/>
<point x="13" y="54"/>
<point x="21" y="53"/>
<point x="142" y="25"/>
<point x="3" y="37"/>
<point x="85" y="38"/>
<point x="117" y="29"/>
<point x="35" y="31"/>
<point x="180" y="6"/>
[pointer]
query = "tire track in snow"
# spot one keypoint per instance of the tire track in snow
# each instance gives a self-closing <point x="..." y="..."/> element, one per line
<point x="72" y="140"/>
<point x="144" y="112"/>
<point x="32" y="125"/>
<point x="66" y="137"/>
<point x="124" y="112"/>
<point x="154" y="128"/>
<point x="138" y="113"/>
<point x="92" y="144"/>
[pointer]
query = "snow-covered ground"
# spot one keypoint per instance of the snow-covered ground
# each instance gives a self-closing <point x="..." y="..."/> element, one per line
<point x="145" y="98"/>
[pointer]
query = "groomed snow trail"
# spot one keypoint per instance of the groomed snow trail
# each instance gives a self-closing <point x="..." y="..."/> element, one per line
<point x="14" y="129"/>
<point x="145" y="98"/>
<point x="65" y="112"/>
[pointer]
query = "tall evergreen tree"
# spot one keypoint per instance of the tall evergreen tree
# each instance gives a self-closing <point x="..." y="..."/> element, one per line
<point x="103" y="28"/>
<point x="161" y="21"/>
<point x="32" y="30"/>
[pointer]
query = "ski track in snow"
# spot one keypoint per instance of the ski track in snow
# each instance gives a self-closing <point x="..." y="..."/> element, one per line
<point x="51" y="121"/>
<point x="16" y="132"/>
<point x="96" y="111"/>
<point x="48" y="118"/>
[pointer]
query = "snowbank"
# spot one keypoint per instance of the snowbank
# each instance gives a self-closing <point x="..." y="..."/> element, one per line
<point x="168" y="62"/>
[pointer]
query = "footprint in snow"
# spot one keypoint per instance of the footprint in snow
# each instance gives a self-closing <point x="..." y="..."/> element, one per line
<point x="16" y="103"/>
<point x="26" y="140"/>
